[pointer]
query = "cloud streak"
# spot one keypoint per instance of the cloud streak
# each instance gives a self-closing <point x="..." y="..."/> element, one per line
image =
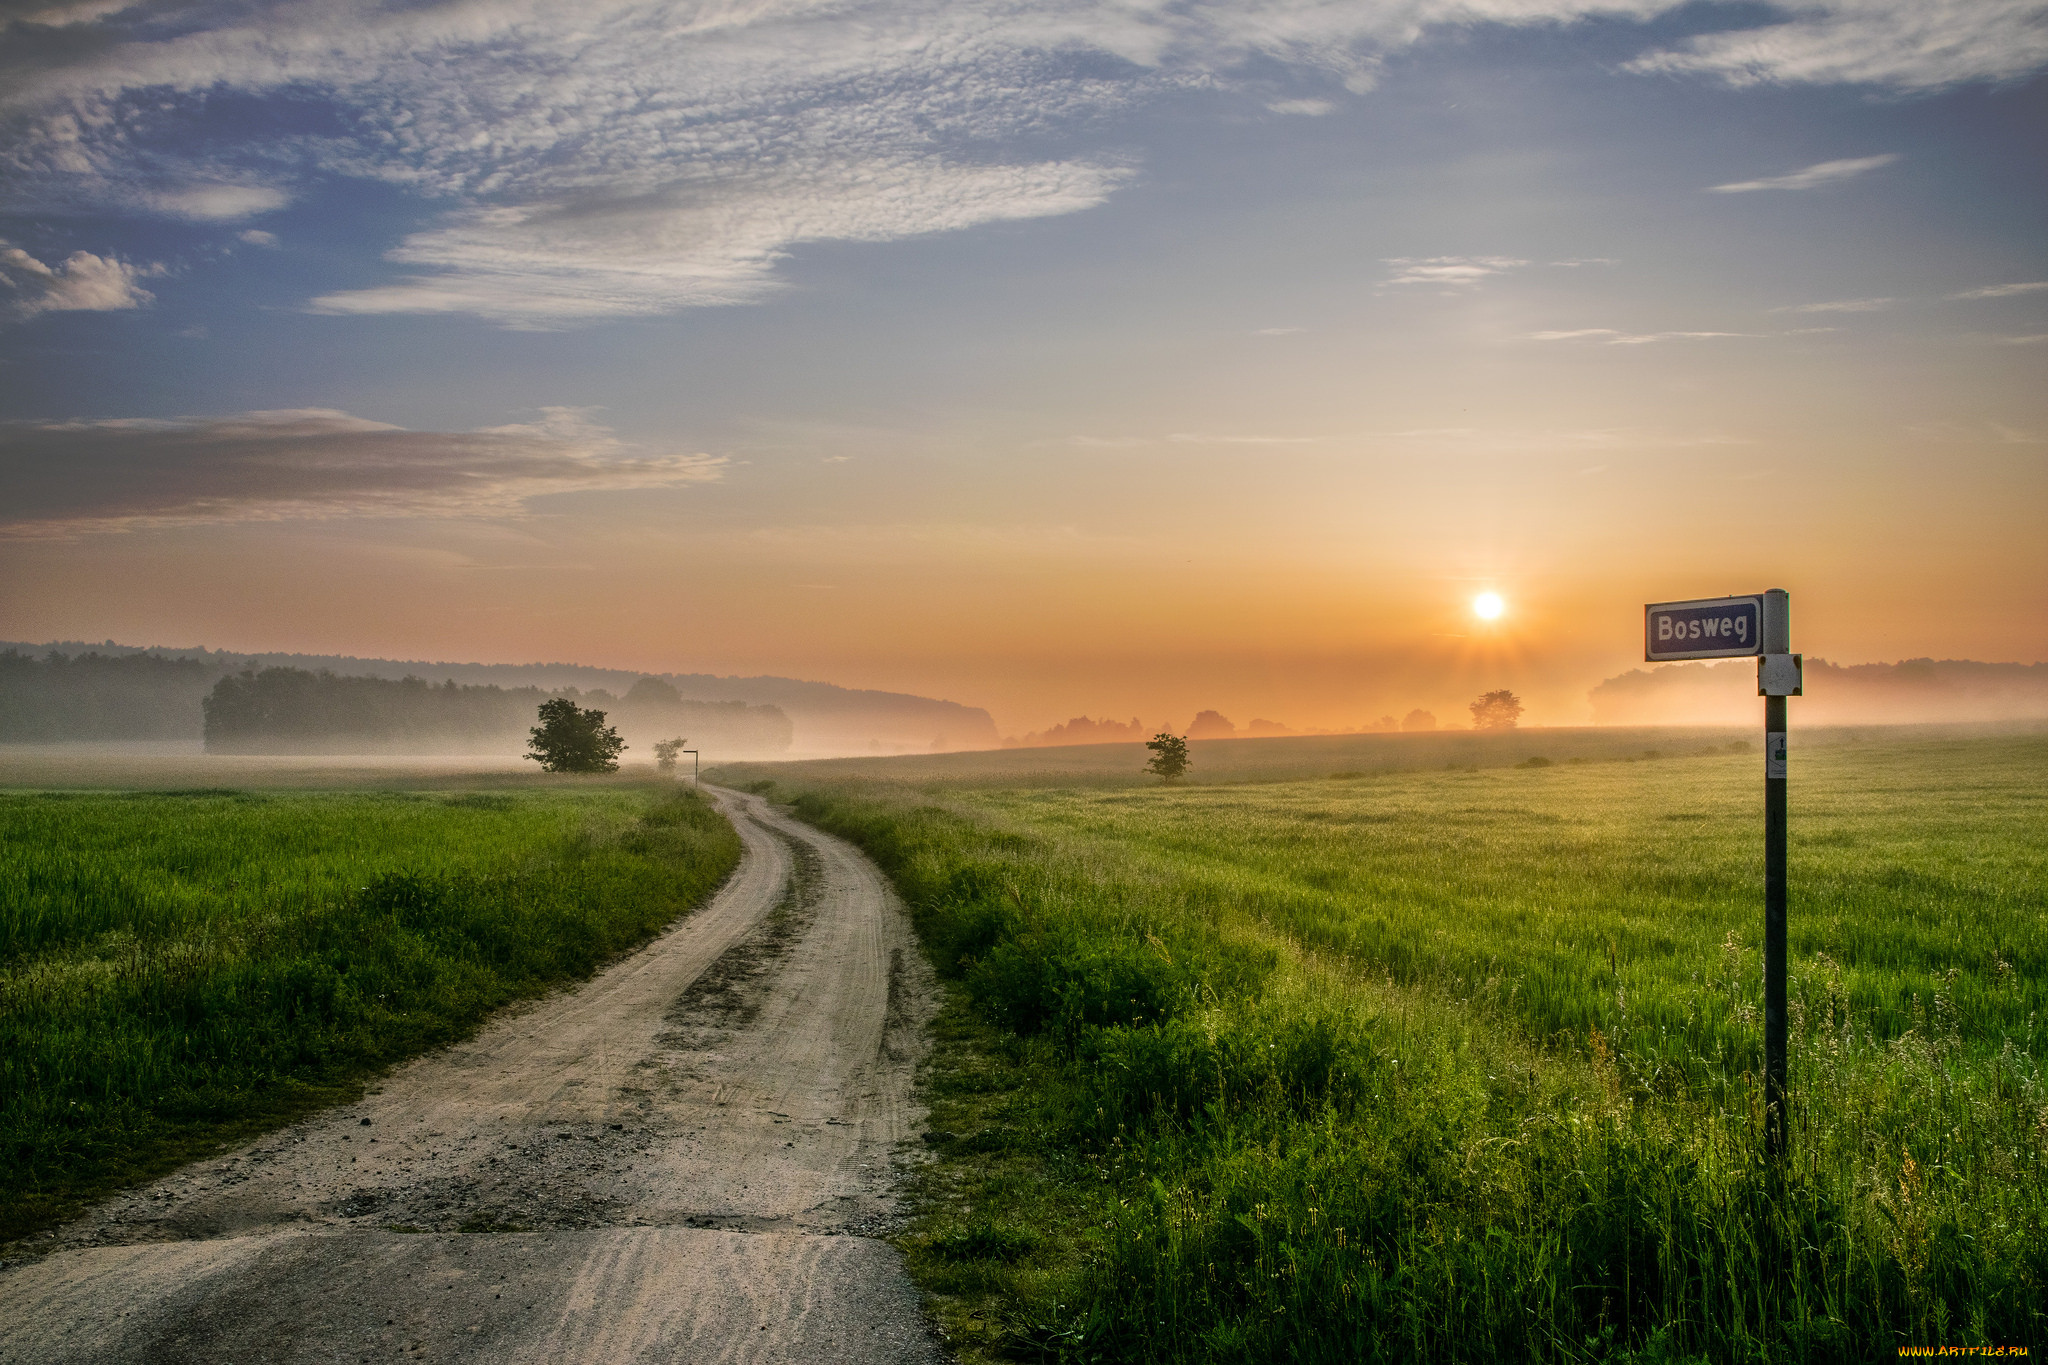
<point x="1901" y="44"/>
<point x="1448" y="272"/>
<point x="1839" y="306"/>
<point x="110" y="475"/>
<point x="1821" y="173"/>
<point x="1608" y="336"/>
<point x="2003" y="291"/>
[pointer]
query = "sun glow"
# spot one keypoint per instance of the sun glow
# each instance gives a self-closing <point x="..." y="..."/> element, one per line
<point x="1488" y="606"/>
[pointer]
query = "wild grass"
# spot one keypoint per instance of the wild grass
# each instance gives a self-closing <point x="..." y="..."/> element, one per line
<point x="178" y="968"/>
<point x="1462" y="1066"/>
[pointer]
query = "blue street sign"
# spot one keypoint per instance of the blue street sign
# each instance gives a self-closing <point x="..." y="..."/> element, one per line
<point x="1711" y="628"/>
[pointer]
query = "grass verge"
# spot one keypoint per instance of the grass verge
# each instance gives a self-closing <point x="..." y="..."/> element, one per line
<point x="179" y="970"/>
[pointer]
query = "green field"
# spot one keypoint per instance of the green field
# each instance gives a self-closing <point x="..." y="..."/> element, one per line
<point x="1117" y="766"/>
<point x="1461" y="1065"/>
<point x="177" y="969"/>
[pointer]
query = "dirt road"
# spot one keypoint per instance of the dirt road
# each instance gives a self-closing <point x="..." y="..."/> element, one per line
<point x="683" y="1160"/>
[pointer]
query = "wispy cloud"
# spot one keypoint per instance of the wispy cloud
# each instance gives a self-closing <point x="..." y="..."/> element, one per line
<point x="1203" y="438"/>
<point x="1839" y="306"/>
<point x="621" y="157"/>
<point x="707" y="244"/>
<point x="1448" y="272"/>
<point x="81" y="282"/>
<point x="218" y="203"/>
<point x="107" y="475"/>
<point x="1539" y="441"/>
<point x="1904" y="44"/>
<point x="1820" y="173"/>
<point x="1278" y="331"/>
<point x="2003" y="291"/>
<point x="1608" y="336"/>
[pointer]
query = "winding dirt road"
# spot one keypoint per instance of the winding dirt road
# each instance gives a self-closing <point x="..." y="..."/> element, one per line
<point x="684" y="1160"/>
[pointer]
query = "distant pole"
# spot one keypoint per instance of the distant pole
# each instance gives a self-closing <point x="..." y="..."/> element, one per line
<point x="1777" y="639"/>
<point x="695" y="764"/>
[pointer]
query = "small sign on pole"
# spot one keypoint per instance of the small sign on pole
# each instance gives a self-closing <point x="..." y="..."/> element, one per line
<point x="1728" y="628"/>
<point x="1709" y="628"/>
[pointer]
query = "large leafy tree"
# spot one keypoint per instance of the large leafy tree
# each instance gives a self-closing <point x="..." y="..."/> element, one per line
<point x="570" y="739"/>
<point x="1496" y="711"/>
<point x="1169" y="757"/>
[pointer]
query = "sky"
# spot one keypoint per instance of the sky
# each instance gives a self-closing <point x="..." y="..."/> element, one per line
<point x="1107" y="358"/>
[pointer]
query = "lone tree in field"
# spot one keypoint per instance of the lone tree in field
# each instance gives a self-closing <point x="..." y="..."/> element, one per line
<point x="572" y="740"/>
<point x="1496" y="711"/>
<point x="665" y="751"/>
<point x="1169" y="757"/>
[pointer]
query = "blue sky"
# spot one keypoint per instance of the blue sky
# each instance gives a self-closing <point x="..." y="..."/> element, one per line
<point x="1055" y="357"/>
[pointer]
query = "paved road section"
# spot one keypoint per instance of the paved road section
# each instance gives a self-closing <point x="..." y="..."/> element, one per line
<point x="683" y="1160"/>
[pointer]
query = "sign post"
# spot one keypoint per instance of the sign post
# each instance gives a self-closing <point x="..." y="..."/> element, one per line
<point x="695" y="764"/>
<point x="1727" y="628"/>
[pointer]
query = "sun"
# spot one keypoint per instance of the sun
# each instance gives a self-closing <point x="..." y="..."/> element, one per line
<point x="1488" y="606"/>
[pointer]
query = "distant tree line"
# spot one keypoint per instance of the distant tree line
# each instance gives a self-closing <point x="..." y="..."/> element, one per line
<point x="293" y="710"/>
<point x="94" y="696"/>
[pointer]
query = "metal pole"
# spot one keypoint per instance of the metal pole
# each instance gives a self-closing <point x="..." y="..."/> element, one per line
<point x="1777" y="639"/>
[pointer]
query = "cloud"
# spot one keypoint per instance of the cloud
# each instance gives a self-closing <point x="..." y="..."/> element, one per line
<point x="2034" y="340"/>
<point x="63" y="14"/>
<point x="1904" y="44"/>
<point x="1198" y="438"/>
<point x="613" y="158"/>
<point x="2002" y="291"/>
<point x="1839" y="306"/>
<point x="1540" y="441"/>
<point x="1608" y="336"/>
<point x="1450" y="272"/>
<point x="707" y="244"/>
<point x="257" y="237"/>
<point x="1309" y="108"/>
<point x="1278" y="331"/>
<point x="82" y="282"/>
<point x="108" y="475"/>
<point x="1820" y="173"/>
<point x="218" y="203"/>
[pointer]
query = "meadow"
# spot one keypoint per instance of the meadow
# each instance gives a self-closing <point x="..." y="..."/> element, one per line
<point x="1462" y="1064"/>
<point x="178" y="969"/>
<point x="1298" y="757"/>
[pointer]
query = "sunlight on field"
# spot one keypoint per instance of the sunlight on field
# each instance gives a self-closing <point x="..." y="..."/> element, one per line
<point x="1462" y="1064"/>
<point x="1627" y="896"/>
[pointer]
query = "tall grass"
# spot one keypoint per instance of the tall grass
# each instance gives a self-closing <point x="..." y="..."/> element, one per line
<point x="176" y="967"/>
<point x="1463" y="1066"/>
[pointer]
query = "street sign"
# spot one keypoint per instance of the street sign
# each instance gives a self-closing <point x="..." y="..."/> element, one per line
<point x="1728" y="628"/>
<point x="1707" y="628"/>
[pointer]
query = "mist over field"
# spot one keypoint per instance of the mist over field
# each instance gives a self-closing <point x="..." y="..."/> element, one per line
<point x="1914" y="691"/>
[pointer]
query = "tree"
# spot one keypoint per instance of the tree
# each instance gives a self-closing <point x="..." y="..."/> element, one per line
<point x="1496" y="711"/>
<point x="1169" y="756"/>
<point x="665" y="751"/>
<point x="570" y="739"/>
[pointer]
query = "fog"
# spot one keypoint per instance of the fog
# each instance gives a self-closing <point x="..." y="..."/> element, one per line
<point x="1913" y="691"/>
